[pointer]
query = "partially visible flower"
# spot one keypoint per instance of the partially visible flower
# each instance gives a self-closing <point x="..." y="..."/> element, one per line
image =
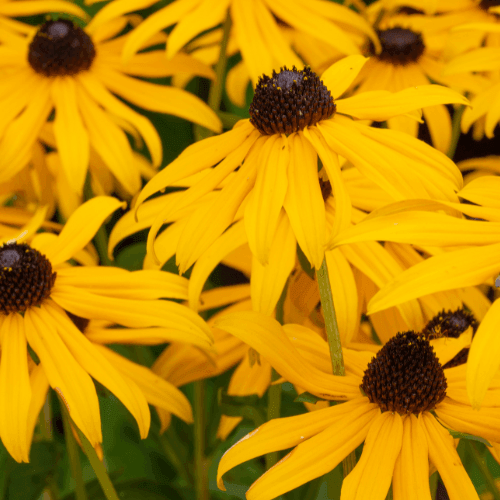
<point x="270" y="163"/>
<point x="255" y="25"/>
<point x="42" y="297"/>
<point x="402" y="429"/>
<point x="77" y="72"/>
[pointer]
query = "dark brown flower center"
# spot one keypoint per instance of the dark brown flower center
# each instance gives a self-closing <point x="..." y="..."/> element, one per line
<point x="451" y="324"/>
<point x="486" y="4"/>
<point x="26" y="278"/>
<point x="326" y="189"/>
<point x="290" y="101"/>
<point x="80" y="323"/>
<point x="60" y="48"/>
<point x="410" y="11"/>
<point x="405" y="376"/>
<point x="400" y="46"/>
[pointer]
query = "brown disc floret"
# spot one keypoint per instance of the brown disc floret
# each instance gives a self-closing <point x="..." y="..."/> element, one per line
<point x="290" y="101"/>
<point x="400" y="46"/>
<point x="60" y="48"/>
<point x="405" y="376"/>
<point x="26" y="278"/>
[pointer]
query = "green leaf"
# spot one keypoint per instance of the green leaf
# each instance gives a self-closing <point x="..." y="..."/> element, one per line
<point x="132" y="257"/>
<point x="241" y="406"/>
<point x="463" y="435"/>
<point x="27" y="481"/>
<point x="307" y="397"/>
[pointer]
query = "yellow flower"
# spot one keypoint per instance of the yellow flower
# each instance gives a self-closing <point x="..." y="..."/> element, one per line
<point x="254" y="24"/>
<point x="21" y="8"/>
<point x="76" y="72"/>
<point x="40" y="292"/>
<point x="293" y="120"/>
<point x="401" y="429"/>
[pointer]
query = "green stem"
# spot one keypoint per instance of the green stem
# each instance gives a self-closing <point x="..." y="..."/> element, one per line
<point x="489" y="480"/>
<point x="199" y="441"/>
<point x="433" y="484"/>
<point x="74" y="456"/>
<point x="333" y="336"/>
<point x="273" y="411"/>
<point x="455" y="130"/>
<point x="99" y="468"/>
<point x="45" y="420"/>
<point x="331" y="325"/>
<point x="216" y="87"/>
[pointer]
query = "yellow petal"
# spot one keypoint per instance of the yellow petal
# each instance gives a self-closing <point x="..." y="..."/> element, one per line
<point x="267" y="282"/>
<point x="483" y="191"/>
<point x="64" y="373"/>
<point x="15" y="388"/>
<point x="338" y="77"/>
<point x="304" y="202"/>
<point x="96" y="365"/>
<point x="380" y="105"/>
<point x="39" y="389"/>
<point x="117" y="282"/>
<point x="444" y="456"/>
<point x="267" y="337"/>
<point x="134" y="313"/>
<point x="156" y="390"/>
<point x="72" y="138"/>
<point x="319" y="454"/>
<point x="283" y="433"/>
<point x="483" y="59"/>
<point x="233" y="238"/>
<point x="268" y="195"/>
<point x="484" y="358"/>
<point x="81" y="228"/>
<point x="372" y="476"/>
<point x="411" y="472"/>
<point x="161" y="99"/>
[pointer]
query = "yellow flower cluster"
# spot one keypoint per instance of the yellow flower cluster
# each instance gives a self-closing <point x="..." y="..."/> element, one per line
<point x="325" y="219"/>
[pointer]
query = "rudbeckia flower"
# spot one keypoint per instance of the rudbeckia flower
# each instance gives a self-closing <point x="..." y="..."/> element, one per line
<point x="21" y="8"/>
<point x="77" y="73"/>
<point x="260" y="41"/>
<point x="40" y="294"/>
<point x="402" y="430"/>
<point x="274" y="157"/>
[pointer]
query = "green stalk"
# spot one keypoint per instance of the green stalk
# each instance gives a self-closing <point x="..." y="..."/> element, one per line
<point x="274" y="392"/>
<point x="200" y="467"/>
<point x="333" y="336"/>
<point x="455" y="130"/>
<point x="216" y="87"/>
<point x="74" y="456"/>
<point x="433" y="484"/>
<point x="489" y="480"/>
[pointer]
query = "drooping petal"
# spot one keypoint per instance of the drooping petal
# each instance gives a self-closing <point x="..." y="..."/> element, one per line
<point x="65" y="375"/>
<point x="39" y="389"/>
<point x="283" y="433"/>
<point x="117" y="282"/>
<point x="268" y="195"/>
<point x="156" y="390"/>
<point x="71" y="135"/>
<point x="371" y="478"/>
<point x="445" y="458"/>
<point x="96" y="365"/>
<point x="411" y="471"/>
<point x="267" y="282"/>
<point x="267" y="337"/>
<point x="304" y="202"/>
<point x="81" y="228"/>
<point x="318" y="455"/>
<point x="15" y="388"/>
<point x="182" y="321"/>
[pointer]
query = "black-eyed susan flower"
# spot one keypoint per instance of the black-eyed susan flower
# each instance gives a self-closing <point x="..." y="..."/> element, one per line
<point x="40" y="294"/>
<point x="254" y="23"/>
<point x="402" y="429"/>
<point x="270" y="162"/>
<point x="78" y="73"/>
<point x="22" y="8"/>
